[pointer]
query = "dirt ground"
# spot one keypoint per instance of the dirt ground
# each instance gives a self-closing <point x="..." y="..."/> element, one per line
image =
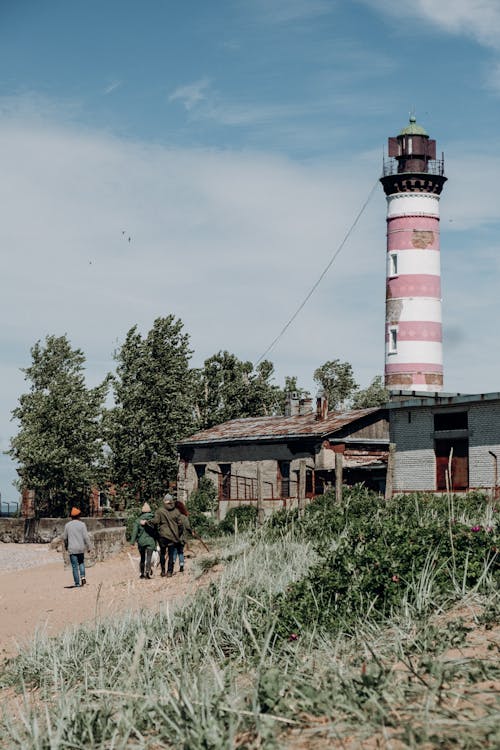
<point x="37" y="592"/>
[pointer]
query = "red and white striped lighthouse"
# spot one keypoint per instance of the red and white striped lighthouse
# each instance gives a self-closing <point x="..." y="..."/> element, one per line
<point x="413" y="180"/>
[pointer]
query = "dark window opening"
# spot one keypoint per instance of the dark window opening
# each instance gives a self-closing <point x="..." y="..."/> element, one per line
<point x="225" y="481"/>
<point x="451" y="420"/>
<point x="200" y="470"/>
<point x="284" y="477"/>
<point x="309" y="483"/>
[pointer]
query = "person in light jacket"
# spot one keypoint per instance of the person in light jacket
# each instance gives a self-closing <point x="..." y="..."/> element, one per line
<point x="77" y="540"/>
<point x="145" y="542"/>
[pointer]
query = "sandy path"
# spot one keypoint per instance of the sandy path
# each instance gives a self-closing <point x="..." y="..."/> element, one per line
<point x="42" y="597"/>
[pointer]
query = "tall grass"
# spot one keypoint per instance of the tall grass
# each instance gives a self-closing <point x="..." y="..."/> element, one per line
<point x="219" y="671"/>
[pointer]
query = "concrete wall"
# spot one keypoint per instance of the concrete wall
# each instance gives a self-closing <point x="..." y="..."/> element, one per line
<point x="12" y="530"/>
<point x="44" y="530"/>
<point x="105" y="543"/>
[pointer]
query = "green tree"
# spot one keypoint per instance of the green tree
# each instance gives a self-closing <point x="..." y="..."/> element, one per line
<point x="153" y="410"/>
<point x="337" y="380"/>
<point x="375" y="395"/>
<point x="228" y="388"/>
<point x="59" y="445"/>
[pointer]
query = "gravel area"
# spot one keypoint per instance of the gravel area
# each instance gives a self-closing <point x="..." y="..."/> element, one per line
<point x="21" y="556"/>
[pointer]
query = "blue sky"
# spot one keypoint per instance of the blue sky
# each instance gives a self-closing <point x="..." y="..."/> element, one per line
<point x="234" y="142"/>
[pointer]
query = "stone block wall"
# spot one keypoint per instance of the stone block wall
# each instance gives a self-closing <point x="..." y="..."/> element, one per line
<point x="44" y="530"/>
<point x="105" y="543"/>
<point x="12" y="530"/>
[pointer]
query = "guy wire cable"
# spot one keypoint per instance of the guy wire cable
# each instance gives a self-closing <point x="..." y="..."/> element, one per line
<point x="323" y="274"/>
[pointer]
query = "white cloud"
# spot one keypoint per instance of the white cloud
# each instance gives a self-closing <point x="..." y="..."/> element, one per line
<point x="191" y="94"/>
<point x="112" y="86"/>
<point x="479" y="19"/>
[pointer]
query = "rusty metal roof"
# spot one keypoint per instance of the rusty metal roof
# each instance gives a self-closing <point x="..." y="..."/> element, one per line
<point x="273" y="428"/>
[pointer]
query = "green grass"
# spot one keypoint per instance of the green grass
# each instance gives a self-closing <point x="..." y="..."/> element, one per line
<point x="250" y="661"/>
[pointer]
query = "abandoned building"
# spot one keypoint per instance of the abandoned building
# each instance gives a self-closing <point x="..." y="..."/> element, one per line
<point x="445" y="441"/>
<point x="293" y="456"/>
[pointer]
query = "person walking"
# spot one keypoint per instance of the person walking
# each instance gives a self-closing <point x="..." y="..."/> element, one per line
<point x="168" y="521"/>
<point x="145" y="541"/>
<point x="76" y="540"/>
<point x="179" y="548"/>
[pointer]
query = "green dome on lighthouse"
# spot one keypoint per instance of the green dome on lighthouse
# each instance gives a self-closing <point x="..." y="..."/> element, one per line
<point x="414" y="128"/>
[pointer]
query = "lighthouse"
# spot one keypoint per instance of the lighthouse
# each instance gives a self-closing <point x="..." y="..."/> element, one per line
<point x="413" y="180"/>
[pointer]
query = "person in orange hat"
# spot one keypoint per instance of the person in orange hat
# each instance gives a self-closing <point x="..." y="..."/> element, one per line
<point x="77" y="540"/>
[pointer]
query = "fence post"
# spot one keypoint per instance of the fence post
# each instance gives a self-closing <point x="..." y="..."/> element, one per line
<point x="339" y="468"/>
<point x="260" y="496"/>
<point x="302" y="485"/>
<point x="389" y="481"/>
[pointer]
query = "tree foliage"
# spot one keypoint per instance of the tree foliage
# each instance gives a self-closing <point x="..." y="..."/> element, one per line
<point x="337" y="380"/>
<point x="58" y="447"/>
<point x="375" y="395"/>
<point x="228" y="388"/>
<point x="153" y="410"/>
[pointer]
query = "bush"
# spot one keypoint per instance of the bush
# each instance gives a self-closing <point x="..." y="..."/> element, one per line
<point x="246" y="515"/>
<point x="375" y="556"/>
<point x="204" y="498"/>
<point x="202" y="507"/>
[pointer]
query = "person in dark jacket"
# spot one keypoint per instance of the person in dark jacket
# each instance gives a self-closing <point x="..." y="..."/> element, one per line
<point x="168" y="521"/>
<point x="179" y="548"/>
<point x="145" y="542"/>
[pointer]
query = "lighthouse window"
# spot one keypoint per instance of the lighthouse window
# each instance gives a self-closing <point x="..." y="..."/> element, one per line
<point x="393" y="340"/>
<point x="393" y="264"/>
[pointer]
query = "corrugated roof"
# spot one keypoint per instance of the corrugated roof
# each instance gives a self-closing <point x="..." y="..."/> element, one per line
<point x="252" y="428"/>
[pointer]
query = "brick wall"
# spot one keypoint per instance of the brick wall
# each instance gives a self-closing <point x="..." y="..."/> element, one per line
<point x="415" y="464"/>
<point x="484" y="428"/>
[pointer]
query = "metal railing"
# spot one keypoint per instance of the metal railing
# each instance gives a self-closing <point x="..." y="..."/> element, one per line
<point x="391" y="166"/>
<point x="243" y="488"/>
<point x="12" y="508"/>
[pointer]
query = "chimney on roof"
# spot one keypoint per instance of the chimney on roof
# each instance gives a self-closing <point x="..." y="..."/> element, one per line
<point x="292" y="404"/>
<point x="305" y="405"/>
<point x="321" y="405"/>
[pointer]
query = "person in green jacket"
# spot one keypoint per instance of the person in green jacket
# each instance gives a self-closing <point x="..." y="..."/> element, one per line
<point x="145" y="542"/>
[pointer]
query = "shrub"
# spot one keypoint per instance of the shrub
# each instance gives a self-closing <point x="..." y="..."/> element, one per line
<point x="408" y="550"/>
<point x="246" y="515"/>
<point x="202" y="506"/>
<point x="204" y="498"/>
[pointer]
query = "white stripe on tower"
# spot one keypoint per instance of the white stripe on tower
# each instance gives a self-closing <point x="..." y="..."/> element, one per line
<point x="413" y="181"/>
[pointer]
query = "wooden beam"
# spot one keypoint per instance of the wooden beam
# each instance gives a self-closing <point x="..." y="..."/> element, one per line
<point x="389" y="481"/>
<point x="339" y="470"/>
